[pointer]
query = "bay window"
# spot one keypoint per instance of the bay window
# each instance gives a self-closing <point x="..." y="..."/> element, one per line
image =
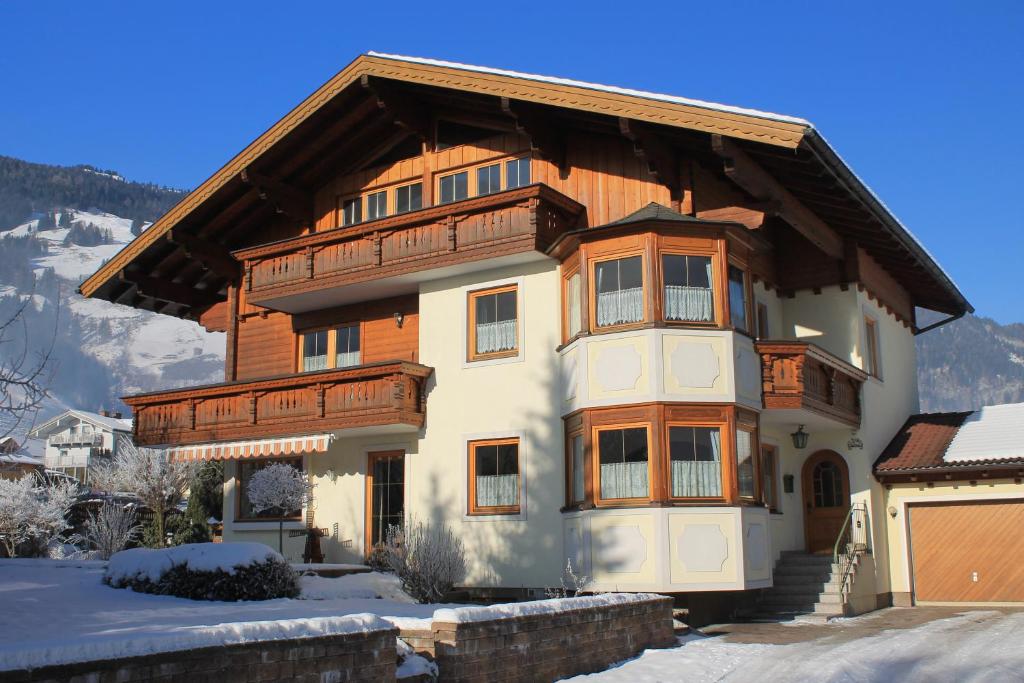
<point x="689" y="294"/>
<point x="619" y="291"/>
<point x="745" y="476"/>
<point x="574" y="306"/>
<point x="738" y="298"/>
<point x="577" y="468"/>
<point x="624" y="459"/>
<point x="494" y="476"/>
<point x="696" y="461"/>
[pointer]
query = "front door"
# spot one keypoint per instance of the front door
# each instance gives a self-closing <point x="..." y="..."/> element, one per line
<point x="385" y="495"/>
<point x="826" y="487"/>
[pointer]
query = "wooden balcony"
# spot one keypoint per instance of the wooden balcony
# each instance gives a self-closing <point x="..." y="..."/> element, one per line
<point x="513" y="223"/>
<point x="386" y="395"/>
<point x="801" y="376"/>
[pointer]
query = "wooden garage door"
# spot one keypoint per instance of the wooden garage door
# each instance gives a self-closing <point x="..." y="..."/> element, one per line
<point x="968" y="552"/>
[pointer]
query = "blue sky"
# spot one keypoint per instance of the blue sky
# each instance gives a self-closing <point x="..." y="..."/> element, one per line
<point x="923" y="99"/>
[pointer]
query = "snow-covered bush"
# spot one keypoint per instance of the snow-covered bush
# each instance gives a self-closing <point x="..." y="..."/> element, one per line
<point x="428" y="560"/>
<point x="278" y="488"/>
<point x="111" y="530"/>
<point x="205" y="571"/>
<point x="570" y="585"/>
<point x="32" y="512"/>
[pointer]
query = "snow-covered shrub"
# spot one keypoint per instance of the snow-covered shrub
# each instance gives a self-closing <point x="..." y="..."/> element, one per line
<point x="412" y="666"/>
<point x="32" y="513"/>
<point x="428" y="560"/>
<point x="278" y="488"/>
<point x="205" y="571"/>
<point x="570" y="585"/>
<point x="111" y="529"/>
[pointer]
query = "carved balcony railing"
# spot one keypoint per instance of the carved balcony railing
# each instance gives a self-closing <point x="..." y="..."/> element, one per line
<point x="525" y="219"/>
<point x="378" y="394"/>
<point x="801" y="376"/>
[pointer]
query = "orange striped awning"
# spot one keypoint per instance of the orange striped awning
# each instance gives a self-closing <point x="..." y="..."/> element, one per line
<point x="263" y="448"/>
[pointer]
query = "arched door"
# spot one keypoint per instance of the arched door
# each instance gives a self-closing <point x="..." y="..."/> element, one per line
<point x="826" y="487"/>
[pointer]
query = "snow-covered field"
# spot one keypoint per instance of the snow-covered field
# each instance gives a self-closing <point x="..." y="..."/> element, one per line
<point x="54" y="612"/>
<point x="971" y="647"/>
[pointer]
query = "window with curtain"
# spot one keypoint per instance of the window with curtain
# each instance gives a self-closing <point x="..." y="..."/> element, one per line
<point x="454" y="187"/>
<point x="696" y="457"/>
<point x="494" y="469"/>
<point x="376" y="205"/>
<point x="769" y="489"/>
<point x="352" y="211"/>
<point x="346" y="346"/>
<point x="624" y="458"/>
<point x="409" y="198"/>
<point x="314" y="351"/>
<point x="578" y="469"/>
<point x="688" y="291"/>
<point x="493" y="321"/>
<point x="619" y="291"/>
<point x="738" y="298"/>
<point x="573" y="305"/>
<point x="871" y="359"/>
<point x="745" y="463"/>
<point x="244" y="475"/>
<point x="517" y="173"/>
<point x="488" y="179"/>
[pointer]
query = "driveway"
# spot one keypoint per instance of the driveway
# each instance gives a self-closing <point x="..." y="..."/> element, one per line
<point x="932" y="644"/>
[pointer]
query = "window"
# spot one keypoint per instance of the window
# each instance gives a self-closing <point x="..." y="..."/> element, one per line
<point x="577" y="469"/>
<point x="346" y="346"/>
<point x="738" y="298"/>
<point x="573" y="305"/>
<point x="871" y="358"/>
<point x="745" y="463"/>
<point x="409" y="198"/>
<point x="488" y="179"/>
<point x="493" y="323"/>
<point x="623" y="456"/>
<point x="769" y="488"/>
<point x="494" y="477"/>
<point x="696" y="455"/>
<point x="245" y="472"/>
<point x="314" y="351"/>
<point x="827" y="481"/>
<point x="762" y="321"/>
<point x="688" y="288"/>
<point x="376" y="205"/>
<point x="620" y="291"/>
<point x="517" y="173"/>
<point x="454" y="187"/>
<point x="352" y="211"/>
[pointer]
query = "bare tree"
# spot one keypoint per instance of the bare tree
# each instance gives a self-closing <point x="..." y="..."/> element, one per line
<point x="159" y="482"/>
<point x="111" y="530"/>
<point x="33" y="511"/>
<point x="428" y="560"/>
<point x="25" y="372"/>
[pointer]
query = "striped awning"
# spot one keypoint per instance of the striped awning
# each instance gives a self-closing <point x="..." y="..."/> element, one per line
<point x="263" y="448"/>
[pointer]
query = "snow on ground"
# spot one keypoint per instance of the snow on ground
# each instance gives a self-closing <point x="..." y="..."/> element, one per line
<point x="59" y="611"/>
<point x="971" y="647"/>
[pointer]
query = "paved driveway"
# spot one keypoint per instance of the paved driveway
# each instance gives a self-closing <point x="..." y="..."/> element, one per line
<point x="930" y="644"/>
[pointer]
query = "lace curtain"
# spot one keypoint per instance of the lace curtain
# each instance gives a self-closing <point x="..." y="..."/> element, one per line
<point x="744" y="463"/>
<point x="624" y="480"/>
<point x="494" y="337"/>
<point x="346" y="359"/>
<point x="497" y="490"/>
<point x="699" y="478"/>
<point x="688" y="303"/>
<point x="310" y="363"/>
<point x="620" y="307"/>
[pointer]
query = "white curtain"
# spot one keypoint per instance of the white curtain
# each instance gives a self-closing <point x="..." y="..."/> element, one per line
<point x="744" y="463"/>
<point x="575" y="319"/>
<point x="497" y="490"/>
<point x="493" y="337"/>
<point x="310" y="363"/>
<point x="699" y="478"/>
<point x="688" y="303"/>
<point x="624" y="480"/>
<point x="619" y="307"/>
<point x="346" y="359"/>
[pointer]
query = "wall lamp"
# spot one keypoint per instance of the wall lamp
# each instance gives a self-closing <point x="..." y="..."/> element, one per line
<point x="800" y="438"/>
<point x="399" y="319"/>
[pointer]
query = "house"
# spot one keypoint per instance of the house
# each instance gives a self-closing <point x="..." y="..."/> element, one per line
<point x="661" y="338"/>
<point x="954" y="507"/>
<point x="16" y="461"/>
<point x="75" y="439"/>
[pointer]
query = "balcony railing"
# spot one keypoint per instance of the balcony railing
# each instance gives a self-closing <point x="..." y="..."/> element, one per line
<point x="505" y="223"/>
<point x="378" y="394"/>
<point x="801" y="376"/>
<point x="76" y="440"/>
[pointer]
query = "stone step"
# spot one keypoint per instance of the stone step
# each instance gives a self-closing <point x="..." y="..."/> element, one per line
<point x="822" y="580"/>
<point x="815" y="588"/>
<point x="804" y="559"/>
<point x="806" y="568"/>
<point x="828" y="609"/>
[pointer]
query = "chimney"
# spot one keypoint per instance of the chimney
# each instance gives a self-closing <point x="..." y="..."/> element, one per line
<point x="104" y="412"/>
<point x="116" y="415"/>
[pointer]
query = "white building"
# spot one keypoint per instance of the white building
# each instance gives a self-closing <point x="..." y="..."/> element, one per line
<point x="76" y="438"/>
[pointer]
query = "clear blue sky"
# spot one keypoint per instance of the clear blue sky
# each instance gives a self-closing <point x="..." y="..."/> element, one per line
<point x="923" y="99"/>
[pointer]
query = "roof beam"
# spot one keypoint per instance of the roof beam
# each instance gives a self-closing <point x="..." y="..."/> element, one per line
<point x="171" y="292"/>
<point x="286" y="199"/>
<point x="213" y="257"/>
<point x="546" y="138"/>
<point x="751" y="177"/>
<point x="405" y="113"/>
<point x="652" y="148"/>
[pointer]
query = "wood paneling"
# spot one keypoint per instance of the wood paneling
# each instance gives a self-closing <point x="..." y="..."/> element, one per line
<point x="801" y="376"/>
<point x="382" y="338"/>
<point x="968" y="552"/>
<point x="265" y="346"/>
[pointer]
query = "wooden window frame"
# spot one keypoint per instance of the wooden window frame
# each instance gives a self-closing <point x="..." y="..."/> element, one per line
<point x="332" y="344"/>
<point x="394" y="196"/>
<point x="266" y="462"/>
<point x="470" y="184"/>
<point x="872" y="348"/>
<point x="747" y="422"/>
<point x="471" y="297"/>
<point x="717" y="298"/>
<point x="501" y="177"/>
<point x="595" y="464"/>
<point x="341" y="209"/>
<point x="371" y="459"/>
<point x="577" y="432"/>
<point x="770" y="454"/>
<point x="748" y="293"/>
<point x="475" y="510"/>
<point x="567" y="274"/>
<point x="728" y="448"/>
<point x="366" y="205"/>
<point x="592" y="263"/>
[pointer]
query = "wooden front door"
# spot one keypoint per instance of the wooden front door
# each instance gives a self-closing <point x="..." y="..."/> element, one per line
<point x="385" y="495"/>
<point x="826" y="487"/>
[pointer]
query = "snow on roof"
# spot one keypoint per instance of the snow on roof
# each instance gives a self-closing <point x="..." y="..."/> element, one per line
<point x="54" y="424"/>
<point x="674" y="99"/>
<point x="992" y="433"/>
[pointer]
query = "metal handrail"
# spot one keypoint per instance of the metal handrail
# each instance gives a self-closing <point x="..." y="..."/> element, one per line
<point x="846" y="549"/>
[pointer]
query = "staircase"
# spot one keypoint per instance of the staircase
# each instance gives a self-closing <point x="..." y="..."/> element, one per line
<point x="804" y="585"/>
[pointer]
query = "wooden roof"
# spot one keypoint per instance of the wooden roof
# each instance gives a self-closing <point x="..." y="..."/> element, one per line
<point x="181" y="265"/>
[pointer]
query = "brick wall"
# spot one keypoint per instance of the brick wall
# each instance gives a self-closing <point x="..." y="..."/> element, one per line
<point x="365" y="656"/>
<point x="558" y="639"/>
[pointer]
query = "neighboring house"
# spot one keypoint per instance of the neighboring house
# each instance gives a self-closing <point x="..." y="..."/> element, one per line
<point x="662" y="338"/>
<point x="76" y="439"/>
<point x="955" y="507"/>
<point x="16" y="461"/>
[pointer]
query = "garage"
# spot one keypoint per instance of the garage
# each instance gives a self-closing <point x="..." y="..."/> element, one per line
<point x="967" y="552"/>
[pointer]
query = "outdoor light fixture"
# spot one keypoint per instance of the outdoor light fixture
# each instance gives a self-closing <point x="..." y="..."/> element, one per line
<point x="331" y="474"/>
<point x="892" y="512"/>
<point x="800" y="438"/>
<point x="399" y="319"/>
